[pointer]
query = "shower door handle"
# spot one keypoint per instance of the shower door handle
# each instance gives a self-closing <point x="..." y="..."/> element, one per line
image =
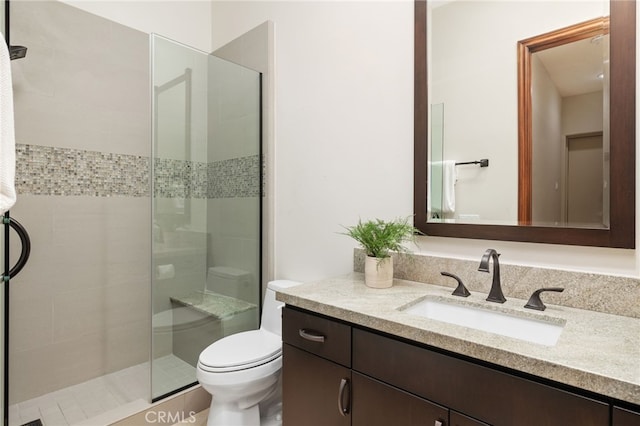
<point x="26" y="247"/>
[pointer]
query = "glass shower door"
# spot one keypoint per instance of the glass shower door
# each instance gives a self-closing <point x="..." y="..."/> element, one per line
<point x="206" y="207"/>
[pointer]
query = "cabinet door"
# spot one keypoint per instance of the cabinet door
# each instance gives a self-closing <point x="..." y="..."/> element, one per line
<point x="622" y="417"/>
<point x="378" y="404"/>
<point x="316" y="392"/>
<point x="457" y="419"/>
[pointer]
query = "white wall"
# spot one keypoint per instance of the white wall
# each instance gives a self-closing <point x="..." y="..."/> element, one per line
<point x="344" y="136"/>
<point x="344" y="124"/>
<point x="548" y="144"/>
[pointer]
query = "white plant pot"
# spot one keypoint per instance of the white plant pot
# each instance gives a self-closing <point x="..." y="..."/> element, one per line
<point x="378" y="273"/>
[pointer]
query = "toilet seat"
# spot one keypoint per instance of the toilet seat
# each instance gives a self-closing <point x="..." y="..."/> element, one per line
<point x="241" y="351"/>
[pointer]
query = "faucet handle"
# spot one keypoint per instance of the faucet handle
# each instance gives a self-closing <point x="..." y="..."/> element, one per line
<point x="536" y="303"/>
<point x="461" y="290"/>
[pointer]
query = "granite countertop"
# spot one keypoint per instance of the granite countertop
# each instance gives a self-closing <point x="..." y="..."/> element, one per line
<point x="597" y="352"/>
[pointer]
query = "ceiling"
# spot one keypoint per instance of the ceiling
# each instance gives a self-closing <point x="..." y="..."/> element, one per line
<point x="574" y="67"/>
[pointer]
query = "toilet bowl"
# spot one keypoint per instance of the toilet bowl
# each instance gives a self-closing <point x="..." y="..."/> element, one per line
<point x="242" y="371"/>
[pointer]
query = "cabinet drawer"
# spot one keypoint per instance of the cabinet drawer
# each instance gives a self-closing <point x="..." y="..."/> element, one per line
<point x="320" y="336"/>
<point x="491" y="396"/>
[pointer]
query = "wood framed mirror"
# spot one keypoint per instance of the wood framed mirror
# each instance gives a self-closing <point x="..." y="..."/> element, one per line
<point x="621" y="221"/>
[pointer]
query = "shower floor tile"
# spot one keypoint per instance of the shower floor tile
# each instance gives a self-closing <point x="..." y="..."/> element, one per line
<point x="78" y="403"/>
<point x="112" y="396"/>
<point x="170" y="373"/>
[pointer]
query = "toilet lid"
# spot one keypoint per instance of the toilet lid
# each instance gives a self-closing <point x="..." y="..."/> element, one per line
<point x="240" y="351"/>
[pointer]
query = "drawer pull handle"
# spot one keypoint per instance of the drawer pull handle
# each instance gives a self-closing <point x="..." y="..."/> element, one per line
<point x="311" y="335"/>
<point x="343" y="409"/>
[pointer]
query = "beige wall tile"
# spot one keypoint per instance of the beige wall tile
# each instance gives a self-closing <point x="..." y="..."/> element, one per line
<point x="90" y="68"/>
<point x="31" y="328"/>
<point x="127" y="344"/>
<point x="86" y="287"/>
<point x="31" y="373"/>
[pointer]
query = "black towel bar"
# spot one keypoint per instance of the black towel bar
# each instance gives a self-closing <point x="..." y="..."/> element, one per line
<point x="483" y="163"/>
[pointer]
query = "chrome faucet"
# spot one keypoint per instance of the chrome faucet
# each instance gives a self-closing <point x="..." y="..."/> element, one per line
<point x="495" y="295"/>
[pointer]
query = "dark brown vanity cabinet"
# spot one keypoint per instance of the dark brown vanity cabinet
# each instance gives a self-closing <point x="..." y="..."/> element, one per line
<point x="320" y="388"/>
<point x="457" y="419"/>
<point x="336" y="374"/>
<point x="316" y="370"/>
<point x="378" y="404"/>
<point x="623" y="417"/>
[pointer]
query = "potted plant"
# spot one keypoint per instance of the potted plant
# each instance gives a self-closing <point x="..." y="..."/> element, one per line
<point x="378" y="238"/>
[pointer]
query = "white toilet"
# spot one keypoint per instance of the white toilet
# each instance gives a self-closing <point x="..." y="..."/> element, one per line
<point x="242" y="371"/>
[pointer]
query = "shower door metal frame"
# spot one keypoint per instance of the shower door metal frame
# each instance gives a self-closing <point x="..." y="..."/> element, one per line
<point x="9" y="273"/>
<point x="15" y="52"/>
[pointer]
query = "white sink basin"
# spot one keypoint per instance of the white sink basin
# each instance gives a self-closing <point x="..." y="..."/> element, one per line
<point x="533" y="330"/>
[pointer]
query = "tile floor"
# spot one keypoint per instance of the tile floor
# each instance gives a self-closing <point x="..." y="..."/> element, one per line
<point x="171" y="373"/>
<point x="104" y="399"/>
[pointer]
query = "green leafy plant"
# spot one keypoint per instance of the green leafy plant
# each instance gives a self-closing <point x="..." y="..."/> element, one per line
<point x="378" y="237"/>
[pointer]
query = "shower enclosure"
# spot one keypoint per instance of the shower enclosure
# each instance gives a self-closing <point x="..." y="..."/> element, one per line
<point x="206" y="207"/>
<point x="142" y="195"/>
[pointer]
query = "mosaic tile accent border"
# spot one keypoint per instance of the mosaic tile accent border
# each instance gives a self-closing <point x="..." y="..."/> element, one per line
<point x="233" y="178"/>
<point x="42" y="170"/>
<point x="237" y="177"/>
<point x="179" y="178"/>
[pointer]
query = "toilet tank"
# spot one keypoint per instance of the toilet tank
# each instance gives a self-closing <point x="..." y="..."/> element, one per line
<point x="231" y="282"/>
<point x="272" y="309"/>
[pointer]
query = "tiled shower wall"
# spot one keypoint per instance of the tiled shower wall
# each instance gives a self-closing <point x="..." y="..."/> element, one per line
<point x="233" y="205"/>
<point x="80" y="308"/>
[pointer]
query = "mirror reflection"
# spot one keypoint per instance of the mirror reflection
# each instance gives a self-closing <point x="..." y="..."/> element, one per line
<point x="172" y="142"/>
<point x="564" y="142"/>
<point x="497" y="156"/>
